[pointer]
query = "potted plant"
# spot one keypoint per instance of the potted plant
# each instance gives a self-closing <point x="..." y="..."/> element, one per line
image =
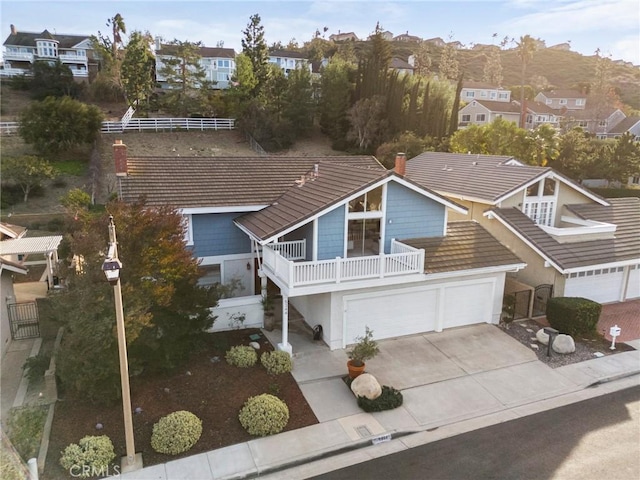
<point x="364" y="349"/>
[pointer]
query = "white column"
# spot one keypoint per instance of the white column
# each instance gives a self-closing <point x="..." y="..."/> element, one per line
<point x="285" y="346"/>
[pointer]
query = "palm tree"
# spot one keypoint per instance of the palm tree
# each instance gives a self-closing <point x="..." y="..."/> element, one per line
<point x="526" y="47"/>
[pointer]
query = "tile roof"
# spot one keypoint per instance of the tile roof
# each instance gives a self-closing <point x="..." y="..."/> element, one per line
<point x="563" y="94"/>
<point x="483" y="177"/>
<point x="28" y="39"/>
<point x="220" y="181"/>
<point x="592" y="113"/>
<point x="398" y="63"/>
<point x="466" y="246"/>
<point x="625" y="125"/>
<point x="624" y="246"/>
<point x="204" y="52"/>
<point x="537" y="107"/>
<point x="334" y="182"/>
<point x="500" y="107"/>
<point x="288" y="54"/>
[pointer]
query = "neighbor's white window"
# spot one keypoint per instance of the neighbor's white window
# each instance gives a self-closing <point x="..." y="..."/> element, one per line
<point x="563" y="101"/>
<point x="580" y="101"/>
<point x="188" y="229"/>
<point x="481" y="117"/>
<point x="466" y="117"/>
<point x="471" y="94"/>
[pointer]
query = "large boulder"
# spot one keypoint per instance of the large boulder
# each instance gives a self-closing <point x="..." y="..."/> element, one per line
<point x="542" y="337"/>
<point x="366" y="385"/>
<point x="564" y="344"/>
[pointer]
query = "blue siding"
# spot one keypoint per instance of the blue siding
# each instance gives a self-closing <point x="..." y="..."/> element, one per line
<point x="216" y="234"/>
<point x="411" y="215"/>
<point x="331" y="234"/>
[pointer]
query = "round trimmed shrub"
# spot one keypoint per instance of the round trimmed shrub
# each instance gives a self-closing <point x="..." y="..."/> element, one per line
<point x="94" y="452"/>
<point x="276" y="362"/>
<point x="264" y="415"/>
<point x="388" y="400"/>
<point x="242" y="356"/>
<point x="176" y="433"/>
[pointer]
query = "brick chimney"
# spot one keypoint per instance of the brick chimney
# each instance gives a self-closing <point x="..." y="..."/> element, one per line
<point x="401" y="164"/>
<point x="120" y="158"/>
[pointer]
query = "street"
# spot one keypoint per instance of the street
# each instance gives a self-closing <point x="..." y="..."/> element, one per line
<point x="594" y="439"/>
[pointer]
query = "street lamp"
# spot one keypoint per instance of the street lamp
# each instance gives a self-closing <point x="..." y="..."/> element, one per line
<point x="111" y="268"/>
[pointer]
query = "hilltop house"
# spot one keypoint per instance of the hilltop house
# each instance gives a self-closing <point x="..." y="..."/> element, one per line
<point x="289" y="60"/>
<point x="483" y="91"/>
<point x="218" y="63"/>
<point x="574" y="242"/>
<point x="343" y="37"/>
<point x="23" y="49"/>
<point x="482" y="112"/>
<point x="344" y="241"/>
<point x="400" y="66"/>
<point x="405" y="37"/>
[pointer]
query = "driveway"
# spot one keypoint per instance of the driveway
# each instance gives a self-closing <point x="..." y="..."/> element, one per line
<point x="624" y="314"/>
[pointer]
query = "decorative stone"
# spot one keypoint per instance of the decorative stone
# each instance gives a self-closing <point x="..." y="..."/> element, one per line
<point x="138" y="410"/>
<point x="535" y="346"/>
<point x="99" y="426"/>
<point x="542" y="337"/>
<point x="215" y="359"/>
<point x="255" y="345"/>
<point x="188" y="373"/>
<point x="366" y="385"/>
<point x="598" y="354"/>
<point x="529" y="330"/>
<point x="564" y="344"/>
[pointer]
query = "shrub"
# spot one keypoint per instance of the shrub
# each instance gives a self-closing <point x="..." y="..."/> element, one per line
<point x="25" y="426"/>
<point x="94" y="452"/>
<point x="264" y="415"/>
<point x="276" y="362"/>
<point x="176" y="433"/>
<point x="37" y="366"/>
<point x="242" y="356"/>
<point x="573" y="315"/>
<point x="389" y="399"/>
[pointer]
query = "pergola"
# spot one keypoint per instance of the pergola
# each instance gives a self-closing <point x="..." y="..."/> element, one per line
<point x="47" y="246"/>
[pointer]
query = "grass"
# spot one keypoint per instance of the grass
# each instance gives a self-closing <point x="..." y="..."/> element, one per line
<point x="76" y="168"/>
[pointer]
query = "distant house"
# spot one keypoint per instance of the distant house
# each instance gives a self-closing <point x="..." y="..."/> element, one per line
<point x="563" y="99"/>
<point x="630" y="125"/>
<point x="482" y="112"/>
<point x="437" y="41"/>
<point x="456" y="44"/>
<point x="483" y="91"/>
<point x="343" y="37"/>
<point x="218" y="63"/>
<point x="541" y="114"/>
<point x="598" y="122"/>
<point x="289" y="60"/>
<point x="400" y="66"/>
<point x="405" y="37"/>
<point x="561" y="46"/>
<point x="23" y="49"/>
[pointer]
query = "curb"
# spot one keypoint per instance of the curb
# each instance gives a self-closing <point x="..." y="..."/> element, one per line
<point x="612" y="378"/>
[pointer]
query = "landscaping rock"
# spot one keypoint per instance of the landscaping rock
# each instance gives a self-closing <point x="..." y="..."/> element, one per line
<point x="255" y="345"/>
<point x="564" y="344"/>
<point x="366" y="385"/>
<point x="542" y="337"/>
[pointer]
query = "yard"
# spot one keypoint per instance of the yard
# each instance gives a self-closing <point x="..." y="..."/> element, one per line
<point x="207" y="386"/>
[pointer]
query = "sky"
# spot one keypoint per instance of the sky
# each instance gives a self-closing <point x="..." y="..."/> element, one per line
<point x="613" y="26"/>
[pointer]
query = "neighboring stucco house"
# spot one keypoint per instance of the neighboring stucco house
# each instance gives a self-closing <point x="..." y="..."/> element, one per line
<point x="218" y="63"/>
<point x="484" y="91"/>
<point x="628" y="125"/>
<point x="343" y="37"/>
<point x="23" y="49"/>
<point x="482" y="112"/>
<point x="400" y="66"/>
<point x="570" y="238"/>
<point x="289" y="60"/>
<point x="541" y="114"/>
<point x="563" y="99"/>
<point x="593" y="121"/>
<point x="405" y="37"/>
<point x="7" y="270"/>
<point x="344" y="241"/>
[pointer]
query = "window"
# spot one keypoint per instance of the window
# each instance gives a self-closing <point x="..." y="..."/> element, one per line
<point x="470" y="94"/>
<point x="211" y="275"/>
<point x="563" y="101"/>
<point x="549" y="187"/>
<point x="549" y="101"/>
<point x="224" y="64"/>
<point x="539" y="118"/>
<point x="466" y="118"/>
<point x="47" y="49"/>
<point x="503" y="96"/>
<point x="223" y="77"/>
<point x="481" y="117"/>
<point x="368" y="202"/>
<point x="492" y="95"/>
<point x="582" y="123"/>
<point x="602" y="123"/>
<point x="580" y="101"/>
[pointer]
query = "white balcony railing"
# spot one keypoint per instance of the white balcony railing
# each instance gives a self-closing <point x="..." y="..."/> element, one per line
<point x="73" y="58"/>
<point x="404" y="260"/>
<point x="294" y="250"/>
<point x="21" y="56"/>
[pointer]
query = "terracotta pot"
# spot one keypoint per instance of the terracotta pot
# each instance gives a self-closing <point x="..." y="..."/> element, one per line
<point x="269" y="321"/>
<point x="354" y="371"/>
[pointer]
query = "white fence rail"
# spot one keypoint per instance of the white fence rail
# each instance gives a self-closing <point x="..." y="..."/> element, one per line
<point x="293" y="250"/>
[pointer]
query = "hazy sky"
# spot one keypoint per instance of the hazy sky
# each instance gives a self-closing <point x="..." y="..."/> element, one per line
<point x="611" y="25"/>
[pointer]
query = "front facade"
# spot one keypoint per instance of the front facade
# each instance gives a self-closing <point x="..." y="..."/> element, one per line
<point x="483" y="112"/>
<point x="541" y="114"/>
<point x="339" y="238"/>
<point x="484" y="91"/>
<point x="218" y="63"/>
<point x="629" y="125"/>
<point x="23" y="49"/>
<point x="597" y="122"/>
<point x="400" y="66"/>
<point x="562" y="99"/>
<point x="289" y="60"/>
<point x="580" y="244"/>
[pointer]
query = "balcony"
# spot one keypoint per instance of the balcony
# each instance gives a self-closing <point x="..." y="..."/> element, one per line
<point x="18" y="56"/>
<point x="284" y="263"/>
<point x="72" y="58"/>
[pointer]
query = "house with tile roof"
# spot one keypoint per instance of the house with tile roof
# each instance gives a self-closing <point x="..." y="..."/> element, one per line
<point x="578" y="243"/>
<point x="401" y="66"/>
<point x="563" y="99"/>
<point x="23" y="49"/>
<point x="344" y="241"/>
<point x="483" y="112"/>
<point x="596" y="121"/>
<point x="541" y="114"/>
<point x="483" y="91"/>
<point x="289" y="60"/>
<point x="627" y="125"/>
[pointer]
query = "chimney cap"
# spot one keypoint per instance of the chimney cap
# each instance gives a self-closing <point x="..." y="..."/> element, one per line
<point x="118" y="142"/>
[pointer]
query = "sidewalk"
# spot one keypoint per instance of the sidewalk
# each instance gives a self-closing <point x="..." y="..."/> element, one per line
<point x="12" y="383"/>
<point x="470" y="398"/>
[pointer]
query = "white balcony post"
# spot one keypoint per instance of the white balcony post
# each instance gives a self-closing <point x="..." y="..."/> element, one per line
<point x="382" y="261"/>
<point x="338" y="269"/>
<point x="285" y="346"/>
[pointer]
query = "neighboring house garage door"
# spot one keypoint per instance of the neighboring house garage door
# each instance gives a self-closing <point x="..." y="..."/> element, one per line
<point x="602" y="285"/>
<point x="415" y="310"/>
<point x="633" y="291"/>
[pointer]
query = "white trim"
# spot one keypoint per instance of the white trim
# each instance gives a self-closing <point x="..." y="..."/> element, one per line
<point x="13" y="268"/>
<point x="515" y="267"/>
<point x="586" y="227"/>
<point x="314" y="241"/>
<point x="188" y="235"/>
<point x="600" y="266"/>
<point x="383" y="220"/>
<point x="232" y="209"/>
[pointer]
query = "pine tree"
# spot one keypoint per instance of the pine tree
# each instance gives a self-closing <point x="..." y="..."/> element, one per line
<point x="493" y="68"/>
<point x="137" y="69"/>
<point x="255" y="47"/>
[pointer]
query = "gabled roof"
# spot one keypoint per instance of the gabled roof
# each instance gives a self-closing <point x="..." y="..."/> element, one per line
<point x="397" y="64"/>
<point x="288" y="54"/>
<point x="12" y="266"/>
<point x="200" y="182"/>
<point x="471" y="84"/>
<point x="592" y="114"/>
<point x="467" y="246"/>
<point x="625" y="125"/>
<point x="204" y="52"/>
<point x="623" y="247"/>
<point x="28" y="39"/>
<point x="12" y="231"/>
<point x="484" y="178"/>
<point x="495" y="106"/>
<point x="541" y="108"/>
<point x="563" y="94"/>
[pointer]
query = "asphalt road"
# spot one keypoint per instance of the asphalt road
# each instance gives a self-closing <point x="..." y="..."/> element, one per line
<point x="591" y="440"/>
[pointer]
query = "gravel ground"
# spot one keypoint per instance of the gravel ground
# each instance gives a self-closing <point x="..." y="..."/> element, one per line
<point x="586" y="348"/>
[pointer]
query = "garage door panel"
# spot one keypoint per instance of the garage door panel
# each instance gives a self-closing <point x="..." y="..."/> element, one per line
<point x="633" y="291"/>
<point x="468" y="304"/>
<point x="601" y="288"/>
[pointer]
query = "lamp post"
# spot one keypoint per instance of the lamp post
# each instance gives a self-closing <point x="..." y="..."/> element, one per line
<point x="111" y="268"/>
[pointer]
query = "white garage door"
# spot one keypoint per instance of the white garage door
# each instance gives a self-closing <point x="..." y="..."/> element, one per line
<point x="404" y="312"/>
<point x="633" y="290"/>
<point x="598" y="285"/>
<point x="468" y="304"/>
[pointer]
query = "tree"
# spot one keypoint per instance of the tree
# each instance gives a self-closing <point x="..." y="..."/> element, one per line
<point x="493" y="68"/>
<point x="108" y="51"/>
<point x="623" y="159"/>
<point x="298" y="101"/>
<point x="526" y="47"/>
<point x="449" y="66"/>
<point x="243" y="83"/>
<point x="500" y="137"/>
<point x="579" y="155"/>
<point x="27" y="172"/>
<point x="408" y="143"/>
<point x="185" y="77"/>
<point x="255" y="48"/>
<point x="423" y="59"/>
<point x="368" y="122"/>
<point x="336" y="94"/>
<point x="138" y="63"/>
<point x="53" y="80"/>
<point x="601" y="93"/>
<point x="55" y="124"/>
<point x="166" y="312"/>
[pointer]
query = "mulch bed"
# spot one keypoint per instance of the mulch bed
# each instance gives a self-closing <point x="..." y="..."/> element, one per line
<point x="207" y="386"/>
<point x="586" y="345"/>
